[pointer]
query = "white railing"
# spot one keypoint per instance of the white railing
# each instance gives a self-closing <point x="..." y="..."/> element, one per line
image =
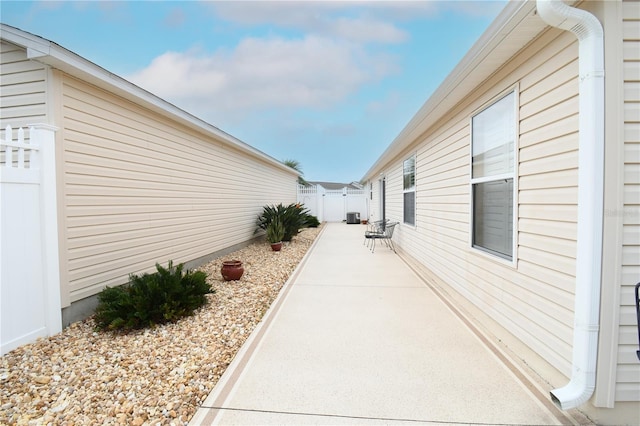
<point x="19" y="154"/>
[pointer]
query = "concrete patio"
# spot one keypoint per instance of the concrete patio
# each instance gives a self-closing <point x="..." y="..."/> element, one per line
<point x="359" y="338"/>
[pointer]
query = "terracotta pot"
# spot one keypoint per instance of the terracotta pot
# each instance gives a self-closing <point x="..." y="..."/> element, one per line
<point x="231" y="270"/>
<point x="276" y="246"/>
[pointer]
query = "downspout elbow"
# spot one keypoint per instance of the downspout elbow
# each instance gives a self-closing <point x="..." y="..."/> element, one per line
<point x="588" y="30"/>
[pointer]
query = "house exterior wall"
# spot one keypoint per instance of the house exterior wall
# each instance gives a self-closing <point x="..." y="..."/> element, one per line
<point x="533" y="296"/>
<point x="375" y="198"/>
<point x="140" y="189"/>
<point x="24" y="87"/>
<point x="135" y="187"/>
<point x="628" y="371"/>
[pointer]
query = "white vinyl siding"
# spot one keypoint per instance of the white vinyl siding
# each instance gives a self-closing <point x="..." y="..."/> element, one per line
<point x="141" y="189"/>
<point x="628" y="371"/>
<point x="533" y="299"/>
<point x="22" y="88"/>
<point x="533" y="296"/>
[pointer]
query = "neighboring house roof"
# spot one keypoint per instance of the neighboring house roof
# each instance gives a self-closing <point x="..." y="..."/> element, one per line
<point x="336" y="185"/>
<point x="515" y="27"/>
<point x="56" y="56"/>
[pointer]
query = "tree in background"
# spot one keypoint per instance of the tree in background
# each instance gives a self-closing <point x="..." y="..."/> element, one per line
<point x="295" y="165"/>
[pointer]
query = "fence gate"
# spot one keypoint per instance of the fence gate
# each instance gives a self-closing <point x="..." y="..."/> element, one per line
<point x="333" y="205"/>
<point x="29" y="269"/>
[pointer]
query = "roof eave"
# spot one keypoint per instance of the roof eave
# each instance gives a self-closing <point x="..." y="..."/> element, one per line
<point x="56" y="56"/>
<point x="474" y="68"/>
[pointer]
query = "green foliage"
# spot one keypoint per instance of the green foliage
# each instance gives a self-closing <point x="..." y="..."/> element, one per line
<point x="293" y="217"/>
<point x="275" y="231"/>
<point x="295" y="165"/>
<point x="312" y="221"/>
<point x="151" y="299"/>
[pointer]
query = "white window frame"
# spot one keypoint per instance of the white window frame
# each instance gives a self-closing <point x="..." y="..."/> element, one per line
<point x="410" y="189"/>
<point x="494" y="255"/>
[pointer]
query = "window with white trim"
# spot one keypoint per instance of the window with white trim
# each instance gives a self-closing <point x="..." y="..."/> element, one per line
<point x="493" y="133"/>
<point x="409" y="190"/>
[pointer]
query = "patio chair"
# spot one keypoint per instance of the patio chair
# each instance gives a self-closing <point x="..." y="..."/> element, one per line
<point x="375" y="227"/>
<point x="385" y="236"/>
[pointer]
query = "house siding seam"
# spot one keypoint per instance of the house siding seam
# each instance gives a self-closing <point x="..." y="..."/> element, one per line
<point x="628" y="370"/>
<point x="533" y="300"/>
<point x="139" y="189"/>
<point x="22" y="88"/>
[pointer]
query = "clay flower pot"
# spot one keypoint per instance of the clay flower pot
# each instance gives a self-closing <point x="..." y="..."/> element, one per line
<point x="232" y="270"/>
<point x="276" y="246"/>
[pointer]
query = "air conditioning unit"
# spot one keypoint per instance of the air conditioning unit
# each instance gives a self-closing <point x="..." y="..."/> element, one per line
<point x="353" y="217"/>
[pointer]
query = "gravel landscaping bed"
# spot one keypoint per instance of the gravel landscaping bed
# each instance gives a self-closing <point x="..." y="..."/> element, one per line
<point x="148" y="377"/>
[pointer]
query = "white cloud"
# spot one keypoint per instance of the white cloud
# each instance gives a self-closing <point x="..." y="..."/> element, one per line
<point x="382" y="106"/>
<point x="366" y="30"/>
<point x="313" y="71"/>
<point x="361" y="21"/>
<point x="176" y="18"/>
<point x="346" y="20"/>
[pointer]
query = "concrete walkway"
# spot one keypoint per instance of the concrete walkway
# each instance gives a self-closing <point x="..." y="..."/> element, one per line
<point x="358" y="338"/>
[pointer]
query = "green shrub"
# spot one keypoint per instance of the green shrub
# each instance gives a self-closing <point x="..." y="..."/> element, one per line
<point x="311" y="221"/>
<point x="150" y="299"/>
<point x="293" y="218"/>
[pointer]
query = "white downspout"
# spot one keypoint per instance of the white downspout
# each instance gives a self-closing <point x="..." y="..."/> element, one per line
<point x="588" y="30"/>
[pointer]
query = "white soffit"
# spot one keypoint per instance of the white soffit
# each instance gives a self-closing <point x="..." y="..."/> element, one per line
<point x="515" y="27"/>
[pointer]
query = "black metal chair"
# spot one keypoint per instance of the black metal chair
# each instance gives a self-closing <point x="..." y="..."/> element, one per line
<point x="374" y="228"/>
<point x="385" y="236"/>
<point x="638" y="316"/>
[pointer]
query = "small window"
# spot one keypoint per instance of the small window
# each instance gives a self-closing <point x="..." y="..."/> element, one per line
<point x="409" y="190"/>
<point x="493" y="133"/>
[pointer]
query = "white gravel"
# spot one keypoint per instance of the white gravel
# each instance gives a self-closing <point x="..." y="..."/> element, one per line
<point x="149" y="377"/>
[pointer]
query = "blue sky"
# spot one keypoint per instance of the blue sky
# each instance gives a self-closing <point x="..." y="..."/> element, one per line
<point x="329" y="84"/>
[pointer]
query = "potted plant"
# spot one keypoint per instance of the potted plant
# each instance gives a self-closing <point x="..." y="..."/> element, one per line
<point x="275" y="233"/>
<point x="232" y="270"/>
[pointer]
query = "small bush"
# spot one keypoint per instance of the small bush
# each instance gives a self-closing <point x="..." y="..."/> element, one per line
<point x="311" y="221"/>
<point x="151" y="299"/>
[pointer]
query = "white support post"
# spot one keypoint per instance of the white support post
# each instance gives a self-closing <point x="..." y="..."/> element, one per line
<point x="320" y="202"/>
<point x="43" y="136"/>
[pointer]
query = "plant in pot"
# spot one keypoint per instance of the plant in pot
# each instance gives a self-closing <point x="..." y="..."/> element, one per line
<point x="292" y="217"/>
<point x="275" y="233"/>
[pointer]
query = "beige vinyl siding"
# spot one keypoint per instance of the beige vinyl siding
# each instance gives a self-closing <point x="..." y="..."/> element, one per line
<point x="533" y="297"/>
<point x="375" y="211"/>
<point x="393" y="196"/>
<point x="22" y="88"/>
<point x="628" y="371"/>
<point x="140" y="189"/>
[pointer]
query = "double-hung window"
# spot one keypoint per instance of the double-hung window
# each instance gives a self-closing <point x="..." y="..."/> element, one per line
<point x="409" y="190"/>
<point x="493" y="133"/>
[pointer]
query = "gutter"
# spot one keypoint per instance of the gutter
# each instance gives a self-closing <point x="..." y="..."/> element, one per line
<point x="588" y="30"/>
<point x="56" y="56"/>
<point x="463" y="79"/>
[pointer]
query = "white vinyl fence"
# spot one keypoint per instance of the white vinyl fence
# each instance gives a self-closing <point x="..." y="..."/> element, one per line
<point x="29" y="268"/>
<point x="333" y="205"/>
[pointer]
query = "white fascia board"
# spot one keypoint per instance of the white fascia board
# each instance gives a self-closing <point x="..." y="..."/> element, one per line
<point x="484" y="58"/>
<point x="54" y="55"/>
